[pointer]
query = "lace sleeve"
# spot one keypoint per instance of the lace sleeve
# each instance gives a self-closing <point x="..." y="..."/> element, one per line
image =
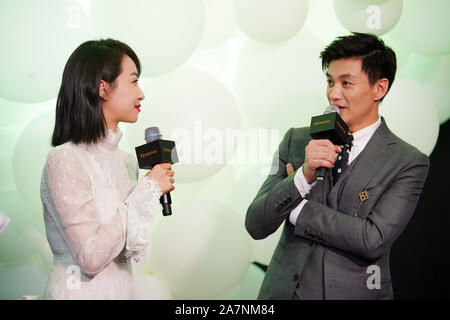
<point x="142" y="205"/>
<point x="74" y="208"/>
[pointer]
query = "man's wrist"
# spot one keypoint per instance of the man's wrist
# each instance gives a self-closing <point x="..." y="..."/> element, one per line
<point x="302" y="184"/>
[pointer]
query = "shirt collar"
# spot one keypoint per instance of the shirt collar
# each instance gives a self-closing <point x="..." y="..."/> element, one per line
<point x="362" y="136"/>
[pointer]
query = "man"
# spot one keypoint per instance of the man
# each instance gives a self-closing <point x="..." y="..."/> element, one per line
<point x="338" y="231"/>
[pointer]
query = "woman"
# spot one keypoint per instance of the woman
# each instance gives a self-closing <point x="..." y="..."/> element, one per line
<point x="96" y="213"/>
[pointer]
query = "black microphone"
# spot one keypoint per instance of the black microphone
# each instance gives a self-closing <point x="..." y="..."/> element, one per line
<point x="328" y="126"/>
<point x="156" y="151"/>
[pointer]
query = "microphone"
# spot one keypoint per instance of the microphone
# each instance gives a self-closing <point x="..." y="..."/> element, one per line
<point x="328" y="126"/>
<point x="155" y="151"/>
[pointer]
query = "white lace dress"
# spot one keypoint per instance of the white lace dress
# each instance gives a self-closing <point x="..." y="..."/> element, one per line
<point x="96" y="217"/>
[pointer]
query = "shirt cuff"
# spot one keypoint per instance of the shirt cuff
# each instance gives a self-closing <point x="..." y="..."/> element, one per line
<point x="300" y="182"/>
<point x="296" y="211"/>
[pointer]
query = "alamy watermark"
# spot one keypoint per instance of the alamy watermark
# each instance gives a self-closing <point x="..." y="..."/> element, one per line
<point x="374" y="280"/>
<point x="237" y="146"/>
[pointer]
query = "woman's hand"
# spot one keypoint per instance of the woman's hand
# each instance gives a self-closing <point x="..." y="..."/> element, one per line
<point x="163" y="174"/>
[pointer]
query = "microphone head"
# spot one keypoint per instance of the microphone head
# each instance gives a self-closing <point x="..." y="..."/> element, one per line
<point x="331" y="109"/>
<point x="152" y="134"/>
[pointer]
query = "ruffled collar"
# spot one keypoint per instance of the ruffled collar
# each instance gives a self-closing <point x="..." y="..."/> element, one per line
<point x="112" y="139"/>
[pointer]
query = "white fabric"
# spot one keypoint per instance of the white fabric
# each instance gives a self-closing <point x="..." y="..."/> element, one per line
<point x="304" y="188"/>
<point x="96" y="216"/>
<point x="360" y="140"/>
<point x="4" y="220"/>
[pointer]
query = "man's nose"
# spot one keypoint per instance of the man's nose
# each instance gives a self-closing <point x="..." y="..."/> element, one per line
<point x="335" y="93"/>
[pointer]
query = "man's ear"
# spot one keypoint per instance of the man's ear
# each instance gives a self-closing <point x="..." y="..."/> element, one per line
<point x="103" y="89"/>
<point x="381" y="87"/>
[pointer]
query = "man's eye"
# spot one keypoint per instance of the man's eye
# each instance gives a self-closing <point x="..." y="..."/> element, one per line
<point x="135" y="81"/>
<point x="346" y="83"/>
<point x="330" y="82"/>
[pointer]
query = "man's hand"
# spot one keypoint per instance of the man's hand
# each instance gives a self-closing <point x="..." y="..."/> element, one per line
<point x="319" y="153"/>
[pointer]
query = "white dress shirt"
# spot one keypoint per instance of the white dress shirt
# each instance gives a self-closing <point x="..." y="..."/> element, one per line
<point x="360" y="140"/>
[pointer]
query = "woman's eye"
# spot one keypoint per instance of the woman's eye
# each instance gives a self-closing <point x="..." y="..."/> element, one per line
<point x="346" y="83"/>
<point x="330" y="82"/>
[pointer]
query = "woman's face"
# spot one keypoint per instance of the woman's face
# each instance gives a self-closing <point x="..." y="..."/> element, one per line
<point x="122" y="101"/>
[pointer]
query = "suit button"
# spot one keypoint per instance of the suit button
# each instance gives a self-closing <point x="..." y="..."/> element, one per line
<point x="296" y="277"/>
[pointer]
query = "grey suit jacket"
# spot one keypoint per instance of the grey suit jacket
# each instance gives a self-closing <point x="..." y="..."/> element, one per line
<point x="390" y="171"/>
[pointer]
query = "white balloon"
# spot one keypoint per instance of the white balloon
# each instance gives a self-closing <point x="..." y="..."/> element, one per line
<point x="26" y="280"/>
<point x="437" y="86"/>
<point x="424" y="27"/>
<point x="249" y="286"/>
<point x="195" y="110"/>
<point x="323" y="23"/>
<point x="20" y="240"/>
<point x="402" y="53"/>
<point x="201" y="252"/>
<point x="212" y="61"/>
<point x="432" y="73"/>
<point x="29" y="158"/>
<point x="270" y="21"/>
<point x="37" y="38"/>
<point x="410" y="113"/>
<point x="149" y="287"/>
<point x="368" y="16"/>
<point x="219" y="23"/>
<point x="282" y="87"/>
<point x="8" y="138"/>
<point x="164" y="34"/>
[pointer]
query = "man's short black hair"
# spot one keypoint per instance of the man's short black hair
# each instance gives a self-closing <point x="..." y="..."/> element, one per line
<point x="378" y="60"/>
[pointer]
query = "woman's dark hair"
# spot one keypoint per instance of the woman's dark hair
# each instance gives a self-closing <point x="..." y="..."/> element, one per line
<point x="378" y="60"/>
<point x="79" y="117"/>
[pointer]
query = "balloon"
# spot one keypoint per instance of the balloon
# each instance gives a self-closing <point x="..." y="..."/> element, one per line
<point x="432" y="73"/>
<point x="410" y="113"/>
<point x="248" y="288"/>
<point x="368" y="16"/>
<point x="424" y="27"/>
<point x="201" y="252"/>
<point x="219" y="23"/>
<point x="323" y="23"/>
<point x="20" y="241"/>
<point x="149" y="287"/>
<point x="37" y="38"/>
<point x="196" y="111"/>
<point x="30" y="156"/>
<point x="26" y="280"/>
<point x="270" y="21"/>
<point x="164" y="34"/>
<point x="282" y="87"/>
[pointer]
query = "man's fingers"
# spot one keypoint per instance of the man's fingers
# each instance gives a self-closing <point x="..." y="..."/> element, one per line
<point x="290" y="169"/>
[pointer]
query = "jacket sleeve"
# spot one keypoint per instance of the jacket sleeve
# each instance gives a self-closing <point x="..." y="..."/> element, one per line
<point x="371" y="237"/>
<point x="276" y="197"/>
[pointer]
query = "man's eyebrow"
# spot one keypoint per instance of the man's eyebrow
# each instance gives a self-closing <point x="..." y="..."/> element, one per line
<point x="346" y="75"/>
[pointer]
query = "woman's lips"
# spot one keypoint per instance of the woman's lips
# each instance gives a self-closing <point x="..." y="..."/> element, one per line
<point x="138" y="108"/>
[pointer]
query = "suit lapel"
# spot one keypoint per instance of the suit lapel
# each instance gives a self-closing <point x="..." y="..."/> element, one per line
<point x="363" y="168"/>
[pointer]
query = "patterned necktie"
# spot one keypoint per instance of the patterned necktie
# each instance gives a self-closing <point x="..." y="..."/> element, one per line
<point x="342" y="160"/>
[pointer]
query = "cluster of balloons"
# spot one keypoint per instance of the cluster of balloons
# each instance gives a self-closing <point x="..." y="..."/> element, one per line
<point x="208" y="66"/>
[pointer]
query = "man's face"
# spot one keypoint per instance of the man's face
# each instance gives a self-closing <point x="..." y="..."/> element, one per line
<point x="349" y="89"/>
